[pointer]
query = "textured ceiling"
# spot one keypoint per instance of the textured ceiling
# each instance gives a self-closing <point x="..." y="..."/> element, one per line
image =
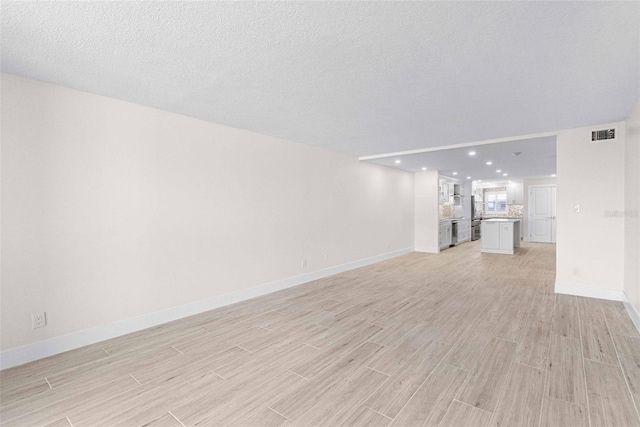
<point x="357" y="77"/>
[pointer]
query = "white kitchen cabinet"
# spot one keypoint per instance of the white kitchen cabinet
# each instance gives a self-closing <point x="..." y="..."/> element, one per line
<point x="444" y="234"/>
<point x="464" y="230"/>
<point x="500" y="236"/>
<point x="515" y="194"/>
<point x="476" y="190"/>
<point x="490" y="235"/>
<point x="444" y="192"/>
<point x="507" y="236"/>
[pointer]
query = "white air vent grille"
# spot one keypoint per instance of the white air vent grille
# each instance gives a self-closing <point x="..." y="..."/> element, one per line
<point x="603" y="135"/>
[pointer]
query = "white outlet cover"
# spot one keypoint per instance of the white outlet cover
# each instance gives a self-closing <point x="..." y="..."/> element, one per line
<point x="39" y="320"/>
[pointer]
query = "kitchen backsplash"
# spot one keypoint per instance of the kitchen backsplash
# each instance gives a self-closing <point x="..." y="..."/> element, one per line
<point x="515" y="211"/>
<point x="493" y="190"/>
<point x="447" y="211"/>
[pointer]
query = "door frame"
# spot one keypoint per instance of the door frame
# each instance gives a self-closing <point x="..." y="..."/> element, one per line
<point x="554" y="225"/>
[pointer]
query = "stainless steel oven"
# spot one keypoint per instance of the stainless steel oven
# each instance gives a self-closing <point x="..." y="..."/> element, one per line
<point x="454" y="233"/>
<point x="475" y="229"/>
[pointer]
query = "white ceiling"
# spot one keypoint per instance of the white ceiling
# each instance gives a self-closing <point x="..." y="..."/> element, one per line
<point x="537" y="158"/>
<point x="362" y="78"/>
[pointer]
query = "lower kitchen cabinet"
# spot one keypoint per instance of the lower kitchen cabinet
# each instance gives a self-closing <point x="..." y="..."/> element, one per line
<point x="500" y="236"/>
<point x="464" y="230"/>
<point x="444" y="234"/>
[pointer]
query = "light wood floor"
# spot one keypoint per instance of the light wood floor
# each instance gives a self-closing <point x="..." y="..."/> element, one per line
<point x="455" y="339"/>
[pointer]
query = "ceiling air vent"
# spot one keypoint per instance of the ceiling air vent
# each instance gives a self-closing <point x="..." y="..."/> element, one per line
<point x="603" y="135"/>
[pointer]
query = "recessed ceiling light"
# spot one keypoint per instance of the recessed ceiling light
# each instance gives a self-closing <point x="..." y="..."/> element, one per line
<point x="455" y="173"/>
<point x="553" y="176"/>
<point x="397" y="161"/>
<point x="472" y="153"/>
<point x="504" y="174"/>
<point x="498" y="170"/>
<point x="424" y="169"/>
<point x="479" y="180"/>
<point x="468" y="177"/>
<point x="489" y="163"/>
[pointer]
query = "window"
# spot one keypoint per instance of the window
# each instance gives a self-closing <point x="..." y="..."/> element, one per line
<point x="497" y="201"/>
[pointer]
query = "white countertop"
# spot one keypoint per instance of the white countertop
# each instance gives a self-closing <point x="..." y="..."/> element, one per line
<point x="503" y="220"/>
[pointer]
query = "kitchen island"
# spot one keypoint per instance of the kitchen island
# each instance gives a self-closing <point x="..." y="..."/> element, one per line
<point x="500" y="235"/>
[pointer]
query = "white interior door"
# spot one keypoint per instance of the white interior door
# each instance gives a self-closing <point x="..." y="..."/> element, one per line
<point x="542" y="214"/>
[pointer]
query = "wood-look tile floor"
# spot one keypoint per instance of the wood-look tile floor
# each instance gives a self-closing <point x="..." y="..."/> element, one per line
<point x="455" y="339"/>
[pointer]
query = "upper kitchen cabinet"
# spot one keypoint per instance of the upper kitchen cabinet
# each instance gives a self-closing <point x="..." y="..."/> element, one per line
<point x="515" y="194"/>
<point x="444" y="192"/>
<point x="476" y="190"/>
<point x="451" y="191"/>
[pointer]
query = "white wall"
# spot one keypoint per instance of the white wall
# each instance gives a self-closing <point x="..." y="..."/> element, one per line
<point x="526" y="184"/>
<point x="466" y="205"/>
<point x="426" y="212"/>
<point x="112" y="210"/>
<point x="590" y="242"/>
<point x="632" y="209"/>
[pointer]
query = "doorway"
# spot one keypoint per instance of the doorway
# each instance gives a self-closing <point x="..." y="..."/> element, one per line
<point x="542" y="213"/>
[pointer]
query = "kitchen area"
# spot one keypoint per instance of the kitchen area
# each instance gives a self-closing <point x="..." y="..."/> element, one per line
<point x="491" y="211"/>
<point x="485" y="196"/>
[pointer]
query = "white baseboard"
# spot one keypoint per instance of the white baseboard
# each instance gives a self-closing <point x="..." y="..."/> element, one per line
<point x="590" y="292"/>
<point x="427" y="249"/>
<point x="39" y="350"/>
<point x="634" y="314"/>
<point x="602" y="293"/>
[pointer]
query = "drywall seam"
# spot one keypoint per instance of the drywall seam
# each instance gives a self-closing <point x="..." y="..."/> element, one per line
<point x="20" y="355"/>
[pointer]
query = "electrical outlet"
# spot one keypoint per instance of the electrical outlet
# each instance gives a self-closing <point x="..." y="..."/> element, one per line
<point x="575" y="271"/>
<point x="326" y="257"/>
<point x="304" y="263"/>
<point x="38" y="320"/>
